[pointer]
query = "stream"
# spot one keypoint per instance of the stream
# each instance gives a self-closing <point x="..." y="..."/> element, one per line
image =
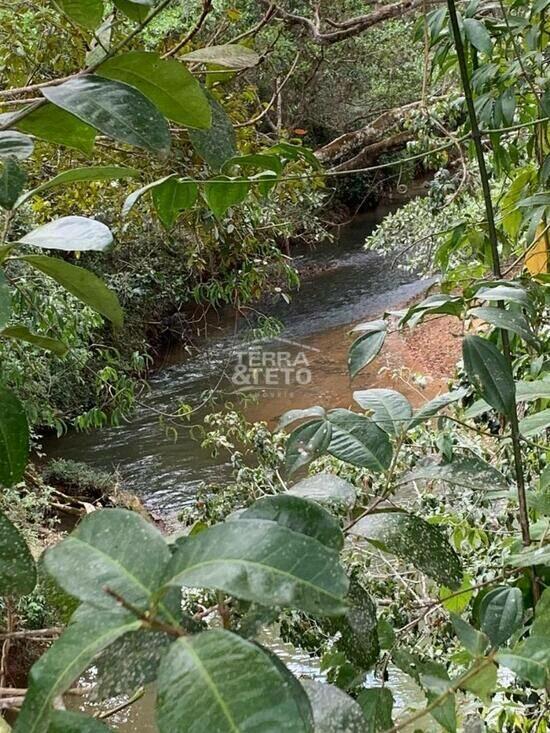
<point x="306" y="365"/>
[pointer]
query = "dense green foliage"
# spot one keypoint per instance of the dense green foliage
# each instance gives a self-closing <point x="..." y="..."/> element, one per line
<point x="309" y="556"/>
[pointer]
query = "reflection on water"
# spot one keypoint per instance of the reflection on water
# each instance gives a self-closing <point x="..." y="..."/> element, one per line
<point x="350" y="284"/>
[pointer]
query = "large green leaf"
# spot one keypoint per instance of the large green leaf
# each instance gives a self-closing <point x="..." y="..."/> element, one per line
<point x="67" y="721"/>
<point x="326" y="488"/>
<point x="476" y="642"/>
<point x="14" y="438"/>
<point x="17" y="568"/>
<point x="14" y="144"/>
<point x="525" y="392"/>
<point x="22" y="333"/>
<point x="483" y="683"/>
<point x="172" y="197"/>
<point x="218" y="682"/>
<point x="65" y="661"/>
<point x="390" y="410"/>
<point x="219" y="142"/>
<point x="91" y="173"/>
<point x="488" y="370"/>
<point x="111" y="549"/>
<point x="333" y="710"/>
<point x="529" y="660"/>
<point x="70" y="233"/>
<point x="306" y="442"/>
<point x="134" y="197"/>
<point x="300" y="515"/>
<point x="86" y="13"/>
<point x="478" y="35"/>
<point x="432" y="407"/>
<point x="514" y="322"/>
<point x="507" y="293"/>
<point x="115" y="109"/>
<point x="223" y="192"/>
<point x="54" y="125"/>
<point x="82" y="283"/>
<point x="262" y="562"/>
<point x="377" y="706"/>
<point x="135" y="10"/>
<point x="536" y="423"/>
<point x="501" y="613"/>
<point x="5" y="300"/>
<point x="359" y="441"/>
<point x="436" y="683"/>
<point x="468" y="471"/>
<point x="12" y="181"/>
<point x="415" y="541"/>
<point x="166" y="82"/>
<point x="231" y="55"/>
<point x="364" y="349"/>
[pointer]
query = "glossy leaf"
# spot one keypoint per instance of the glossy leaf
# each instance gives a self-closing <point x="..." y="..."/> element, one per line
<point x="101" y="554"/>
<point x="166" y="82"/>
<point x="219" y="142"/>
<point x="115" y="109"/>
<point x="415" y="541"/>
<point x="299" y="515"/>
<point x="489" y="371"/>
<point x="468" y="471"/>
<point x="172" y="197"/>
<point x="223" y="192"/>
<point x="67" y="721"/>
<point x="64" y="662"/>
<point x="71" y="234"/>
<point x="249" y="692"/>
<point x="478" y="35"/>
<point x="134" y="197"/>
<point x="54" y="125"/>
<point x="75" y="175"/>
<point x="333" y="710"/>
<point x="436" y="683"/>
<point x="432" y="407"/>
<point x="22" y="333"/>
<point x="307" y="441"/>
<point x="326" y="488"/>
<point x="136" y="11"/>
<point x="86" y="13"/>
<point x="390" y="410"/>
<point x="291" y="416"/>
<point x="525" y="392"/>
<point x="377" y="706"/>
<point x="82" y="283"/>
<point x="17" y="568"/>
<point x="501" y="613"/>
<point x="529" y="660"/>
<point x="505" y="293"/>
<point x="476" y="642"/>
<point x="262" y="562"/>
<point x="514" y="322"/>
<point x="357" y="440"/>
<point x="14" y="144"/>
<point x="364" y="349"/>
<point x="14" y="438"/>
<point x="536" y="423"/>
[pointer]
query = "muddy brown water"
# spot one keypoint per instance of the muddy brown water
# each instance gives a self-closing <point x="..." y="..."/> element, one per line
<point x="306" y="365"/>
